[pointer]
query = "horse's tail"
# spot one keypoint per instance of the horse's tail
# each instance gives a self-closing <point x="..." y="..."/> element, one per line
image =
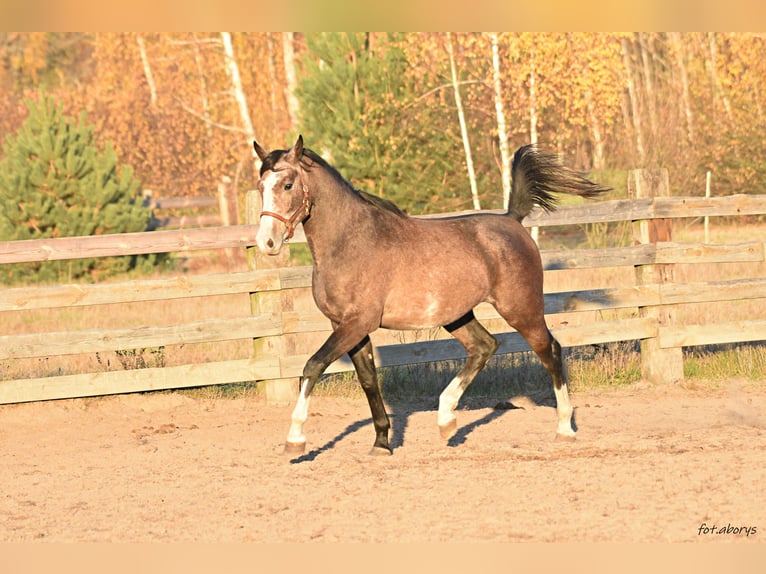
<point x="538" y="175"/>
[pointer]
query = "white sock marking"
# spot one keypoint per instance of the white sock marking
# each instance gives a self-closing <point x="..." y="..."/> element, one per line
<point x="564" y="410"/>
<point x="448" y="401"/>
<point x="299" y="416"/>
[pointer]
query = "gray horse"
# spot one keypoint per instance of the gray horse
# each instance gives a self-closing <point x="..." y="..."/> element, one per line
<point x="374" y="266"/>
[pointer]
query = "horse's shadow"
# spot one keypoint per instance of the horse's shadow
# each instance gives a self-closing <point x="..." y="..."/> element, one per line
<point x="313" y="454"/>
<point x="399" y="414"/>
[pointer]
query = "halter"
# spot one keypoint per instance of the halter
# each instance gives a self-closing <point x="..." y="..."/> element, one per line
<point x="298" y="217"/>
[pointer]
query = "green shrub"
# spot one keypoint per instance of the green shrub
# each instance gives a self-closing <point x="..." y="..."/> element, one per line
<point x="54" y="182"/>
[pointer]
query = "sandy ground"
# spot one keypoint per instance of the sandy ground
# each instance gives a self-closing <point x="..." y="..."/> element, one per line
<point x="649" y="464"/>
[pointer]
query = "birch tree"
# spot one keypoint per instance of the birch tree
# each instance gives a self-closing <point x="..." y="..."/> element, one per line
<point x="463" y="128"/>
<point x="680" y="56"/>
<point x="719" y="95"/>
<point x="635" y="109"/>
<point x="502" y="132"/>
<point x="147" y="72"/>
<point x="237" y="90"/>
<point x="288" y="54"/>
<point x="532" y="97"/>
<point x="644" y="43"/>
<point x="535" y="231"/>
<point x="202" y="81"/>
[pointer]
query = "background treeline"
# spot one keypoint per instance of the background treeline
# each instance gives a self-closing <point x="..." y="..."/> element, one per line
<point x="426" y="119"/>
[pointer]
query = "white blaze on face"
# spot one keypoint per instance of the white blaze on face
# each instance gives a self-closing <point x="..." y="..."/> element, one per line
<point x="270" y="233"/>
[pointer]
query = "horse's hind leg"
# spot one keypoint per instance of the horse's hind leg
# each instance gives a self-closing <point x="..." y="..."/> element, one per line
<point x="548" y="349"/>
<point x="361" y="356"/>
<point x="480" y="346"/>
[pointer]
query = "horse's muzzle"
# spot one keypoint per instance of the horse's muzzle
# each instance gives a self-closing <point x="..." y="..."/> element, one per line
<point x="269" y="238"/>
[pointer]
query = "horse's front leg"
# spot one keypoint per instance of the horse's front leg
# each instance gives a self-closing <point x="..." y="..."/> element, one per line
<point x="361" y="355"/>
<point x="344" y="338"/>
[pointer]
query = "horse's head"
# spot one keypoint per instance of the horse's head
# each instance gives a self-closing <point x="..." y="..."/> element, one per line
<point x="285" y="200"/>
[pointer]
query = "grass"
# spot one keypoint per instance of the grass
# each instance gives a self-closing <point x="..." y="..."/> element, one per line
<point x="601" y="367"/>
<point x="589" y="367"/>
<point x="614" y="365"/>
<point x="743" y="361"/>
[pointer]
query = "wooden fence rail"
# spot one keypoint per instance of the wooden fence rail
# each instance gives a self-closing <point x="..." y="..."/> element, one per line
<point x="288" y="322"/>
<point x="118" y="244"/>
<point x="221" y="209"/>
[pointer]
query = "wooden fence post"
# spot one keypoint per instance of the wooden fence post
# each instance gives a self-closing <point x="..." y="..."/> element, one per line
<point x="279" y="392"/>
<point x="657" y="365"/>
<point x="229" y="208"/>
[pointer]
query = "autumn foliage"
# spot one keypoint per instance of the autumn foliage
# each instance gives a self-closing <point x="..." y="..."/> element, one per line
<point x="691" y="102"/>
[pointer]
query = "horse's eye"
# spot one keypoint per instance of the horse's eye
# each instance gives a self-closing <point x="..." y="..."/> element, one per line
<point x="288" y="186"/>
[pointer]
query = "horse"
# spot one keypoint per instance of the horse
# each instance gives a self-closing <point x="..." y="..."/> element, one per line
<point x="376" y="267"/>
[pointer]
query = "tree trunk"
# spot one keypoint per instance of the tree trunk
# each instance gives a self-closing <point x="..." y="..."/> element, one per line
<point x="595" y="132"/>
<point x="273" y="78"/>
<point x="535" y="231"/>
<point x="463" y="127"/>
<point x="712" y="69"/>
<point x="239" y="93"/>
<point x="679" y="50"/>
<point x="502" y="132"/>
<point x="293" y="107"/>
<point x="147" y="72"/>
<point x="648" y="82"/>
<point x="203" y="95"/>
<point x="757" y="100"/>
<point x="532" y="98"/>
<point x="635" y="111"/>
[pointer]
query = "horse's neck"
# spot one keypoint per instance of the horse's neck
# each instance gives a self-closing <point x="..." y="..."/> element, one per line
<point x="333" y="212"/>
<point x="332" y="205"/>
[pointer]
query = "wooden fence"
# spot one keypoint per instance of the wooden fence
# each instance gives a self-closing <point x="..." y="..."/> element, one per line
<point x="205" y="211"/>
<point x="278" y="327"/>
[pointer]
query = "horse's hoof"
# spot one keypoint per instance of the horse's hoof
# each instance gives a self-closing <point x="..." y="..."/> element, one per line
<point x="380" y="451"/>
<point x="295" y="447"/>
<point x="448" y="430"/>
<point x="565" y="437"/>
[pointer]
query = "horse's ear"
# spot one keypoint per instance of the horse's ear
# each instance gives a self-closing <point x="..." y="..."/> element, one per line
<point x="298" y="147"/>
<point x="262" y="153"/>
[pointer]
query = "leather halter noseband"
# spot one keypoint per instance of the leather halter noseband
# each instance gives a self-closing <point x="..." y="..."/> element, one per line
<point x="300" y="214"/>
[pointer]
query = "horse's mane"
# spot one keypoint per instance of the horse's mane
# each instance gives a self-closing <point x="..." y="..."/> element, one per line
<point x="374" y="200"/>
<point x="381" y="203"/>
<point x="310" y="158"/>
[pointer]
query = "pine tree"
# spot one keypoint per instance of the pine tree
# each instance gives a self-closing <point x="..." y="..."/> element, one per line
<point x="358" y="108"/>
<point x="54" y="182"/>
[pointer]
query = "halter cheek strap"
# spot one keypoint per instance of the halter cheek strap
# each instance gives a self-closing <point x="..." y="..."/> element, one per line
<point x="300" y="214"/>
